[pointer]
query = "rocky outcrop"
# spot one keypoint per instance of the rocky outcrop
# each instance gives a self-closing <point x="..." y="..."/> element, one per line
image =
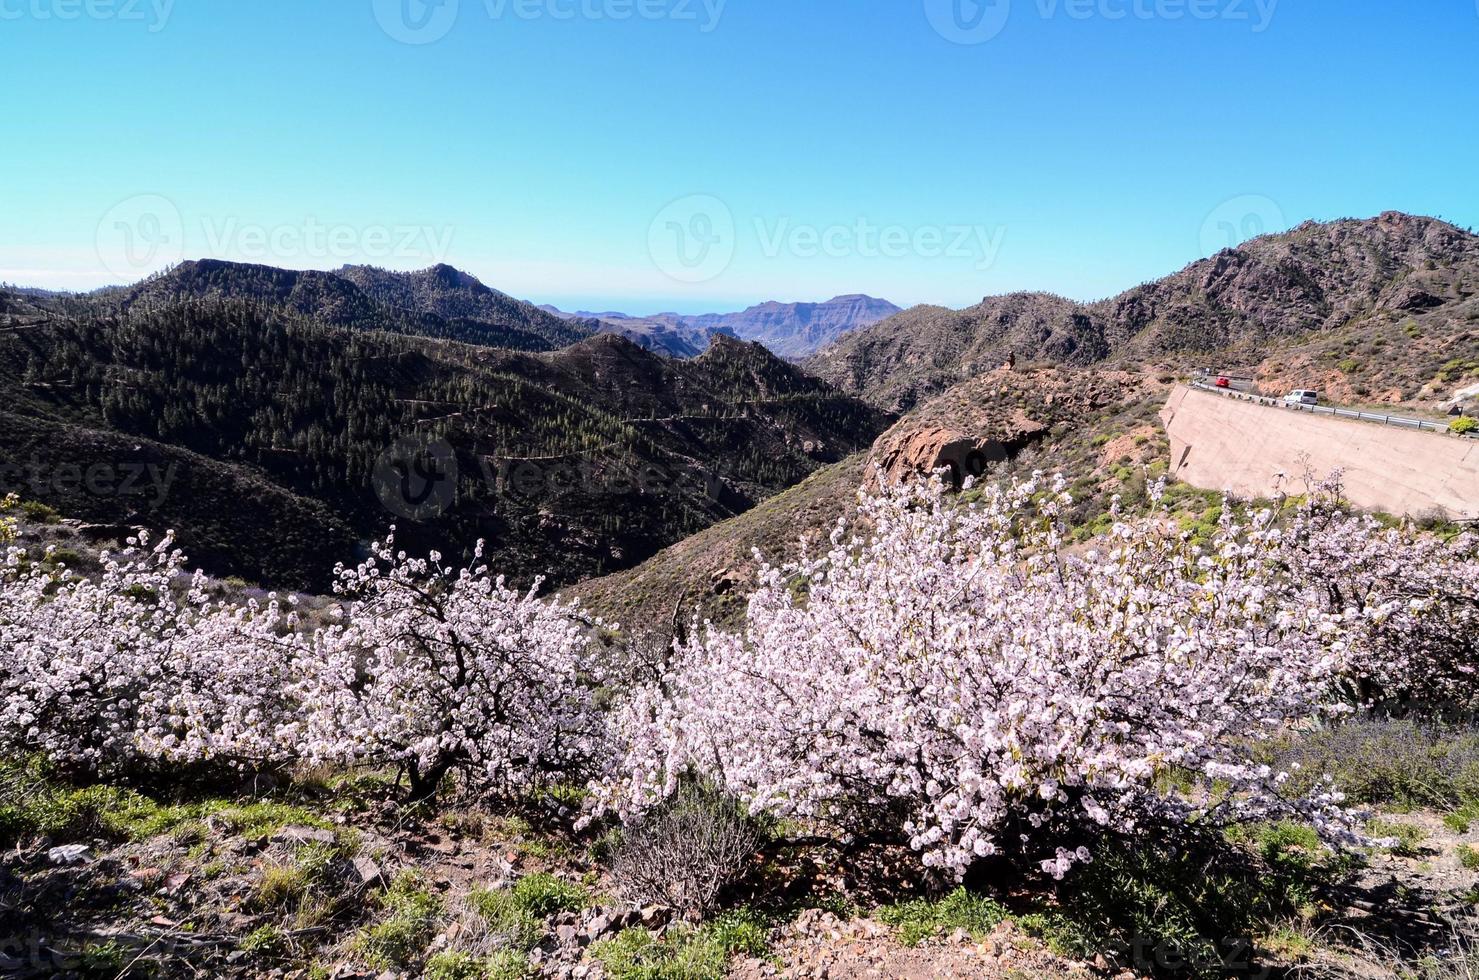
<point x="989" y="419"/>
<point x="916" y="450"/>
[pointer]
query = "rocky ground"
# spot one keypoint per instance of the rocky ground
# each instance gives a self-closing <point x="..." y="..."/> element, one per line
<point x="121" y="886"/>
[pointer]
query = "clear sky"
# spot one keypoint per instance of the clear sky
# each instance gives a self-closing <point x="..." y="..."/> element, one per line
<point x="699" y="155"/>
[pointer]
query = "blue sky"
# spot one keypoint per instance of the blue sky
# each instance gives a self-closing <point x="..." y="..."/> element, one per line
<point x="704" y="154"/>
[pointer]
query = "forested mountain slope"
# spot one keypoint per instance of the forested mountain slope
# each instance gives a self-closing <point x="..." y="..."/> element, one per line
<point x="571" y="463"/>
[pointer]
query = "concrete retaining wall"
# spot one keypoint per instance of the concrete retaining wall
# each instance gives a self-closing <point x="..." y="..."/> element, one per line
<point x="1221" y="443"/>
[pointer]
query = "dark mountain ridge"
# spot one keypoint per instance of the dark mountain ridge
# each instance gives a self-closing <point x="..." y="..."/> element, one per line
<point x="287" y="398"/>
<point x="438" y="302"/>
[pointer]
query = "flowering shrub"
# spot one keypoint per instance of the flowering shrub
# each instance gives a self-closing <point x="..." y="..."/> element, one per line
<point x="436" y="669"/>
<point x="1418" y="596"/>
<point x="953" y="675"/>
<point x="430" y="670"/>
<point x="98" y="674"/>
<point x="958" y="678"/>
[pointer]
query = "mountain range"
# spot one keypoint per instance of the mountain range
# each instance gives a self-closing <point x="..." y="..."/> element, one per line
<point x="645" y="457"/>
<point x="279" y="402"/>
<point x="1314" y="281"/>
<point x="791" y="330"/>
<point x="1383" y="310"/>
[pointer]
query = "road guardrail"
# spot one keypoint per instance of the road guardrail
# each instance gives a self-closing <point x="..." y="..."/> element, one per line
<point x="1397" y="420"/>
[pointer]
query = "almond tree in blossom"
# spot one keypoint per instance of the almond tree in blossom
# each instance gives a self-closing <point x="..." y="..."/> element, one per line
<point x="952" y="675"/>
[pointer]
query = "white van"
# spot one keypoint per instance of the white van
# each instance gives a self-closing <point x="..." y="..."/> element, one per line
<point x="1302" y="396"/>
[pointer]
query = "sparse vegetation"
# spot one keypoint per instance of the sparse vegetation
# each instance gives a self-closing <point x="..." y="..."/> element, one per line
<point x="920" y="919"/>
<point x="683" y="952"/>
<point x="407" y="919"/>
<point x="688" y="852"/>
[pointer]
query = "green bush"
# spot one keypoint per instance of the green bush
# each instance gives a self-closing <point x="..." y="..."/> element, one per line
<point x="543" y="895"/>
<point x="1186" y="896"/>
<point x="1409" y="838"/>
<point x="39" y="512"/>
<point x="512" y="924"/>
<point x="37" y="803"/>
<point x="1386" y="762"/>
<point x="920" y="919"/>
<point x="1463" y="424"/>
<point x="1460" y="819"/>
<point x="684" y="952"/>
<point x="503" y="965"/>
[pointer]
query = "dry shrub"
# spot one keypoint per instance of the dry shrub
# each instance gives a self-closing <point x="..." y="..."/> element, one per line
<point x="688" y="852"/>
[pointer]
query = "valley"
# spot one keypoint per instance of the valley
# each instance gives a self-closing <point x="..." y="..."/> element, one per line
<point x="344" y="759"/>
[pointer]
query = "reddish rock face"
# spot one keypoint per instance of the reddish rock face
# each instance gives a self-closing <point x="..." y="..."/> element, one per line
<point x="988" y="420"/>
<point x="920" y="451"/>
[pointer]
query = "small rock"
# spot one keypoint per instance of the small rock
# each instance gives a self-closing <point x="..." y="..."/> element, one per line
<point x="368" y="871"/>
<point x="598" y="926"/>
<point x="70" y="854"/>
<point x="566" y="935"/>
<point x="303" y="835"/>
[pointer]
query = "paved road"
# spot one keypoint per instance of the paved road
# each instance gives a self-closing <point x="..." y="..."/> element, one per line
<point x="1348" y="413"/>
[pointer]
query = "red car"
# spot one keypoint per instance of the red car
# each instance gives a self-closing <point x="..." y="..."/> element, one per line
<point x="1223" y="382"/>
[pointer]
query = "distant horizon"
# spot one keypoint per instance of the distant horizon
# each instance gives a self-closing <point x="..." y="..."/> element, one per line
<point x="645" y="307"/>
